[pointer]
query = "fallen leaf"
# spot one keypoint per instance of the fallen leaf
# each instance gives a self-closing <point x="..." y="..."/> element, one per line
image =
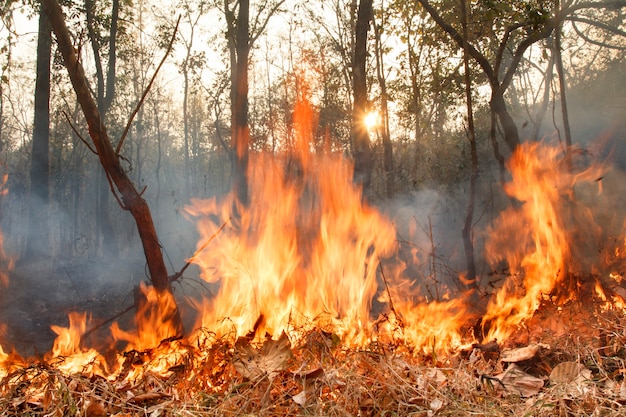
<point x="300" y="398"/>
<point x="523" y="353"/>
<point x="432" y="377"/>
<point x="436" y="404"/>
<point x="149" y="396"/>
<point x="273" y="356"/>
<point x="309" y="375"/>
<point x="567" y="372"/>
<point x="516" y="380"/>
<point x="571" y="377"/>
<point x="96" y="410"/>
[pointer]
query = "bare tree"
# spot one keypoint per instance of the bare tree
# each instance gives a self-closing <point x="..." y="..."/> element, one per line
<point x="105" y="91"/>
<point x="129" y="198"/>
<point x="384" y="107"/>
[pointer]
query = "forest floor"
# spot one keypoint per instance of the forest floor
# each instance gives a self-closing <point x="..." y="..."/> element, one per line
<point x="568" y="360"/>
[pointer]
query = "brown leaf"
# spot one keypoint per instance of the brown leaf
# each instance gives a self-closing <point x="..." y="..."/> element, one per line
<point x="96" y="410"/>
<point x="567" y="372"/>
<point x="310" y="375"/>
<point x="516" y="380"/>
<point x="571" y="377"/>
<point x="273" y="356"/>
<point x="523" y="353"/>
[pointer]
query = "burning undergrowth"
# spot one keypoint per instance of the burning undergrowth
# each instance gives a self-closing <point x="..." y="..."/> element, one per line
<point x="317" y="314"/>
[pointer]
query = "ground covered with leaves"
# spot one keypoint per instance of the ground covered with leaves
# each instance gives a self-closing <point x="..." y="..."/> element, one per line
<point x="567" y="361"/>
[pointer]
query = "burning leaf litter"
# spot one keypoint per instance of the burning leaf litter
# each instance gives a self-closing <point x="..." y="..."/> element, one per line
<point x="335" y="333"/>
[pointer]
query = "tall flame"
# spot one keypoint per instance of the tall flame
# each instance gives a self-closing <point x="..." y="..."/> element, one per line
<point x="534" y="236"/>
<point x="305" y="246"/>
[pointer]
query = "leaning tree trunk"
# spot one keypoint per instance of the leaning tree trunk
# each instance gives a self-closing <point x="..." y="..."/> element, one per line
<point x="130" y="198"/>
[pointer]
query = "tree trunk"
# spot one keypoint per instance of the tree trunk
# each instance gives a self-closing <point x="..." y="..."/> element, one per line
<point x="467" y="232"/>
<point x="546" y="98"/>
<point x="130" y="198"/>
<point x="361" y="146"/>
<point x="509" y="128"/>
<point x="38" y="235"/>
<point x="384" y="117"/>
<point x="105" y="94"/>
<point x="240" y="132"/>
<point x="562" y="89"/>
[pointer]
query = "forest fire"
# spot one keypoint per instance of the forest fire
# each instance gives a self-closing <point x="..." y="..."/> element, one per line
<point x="308" y="256"/>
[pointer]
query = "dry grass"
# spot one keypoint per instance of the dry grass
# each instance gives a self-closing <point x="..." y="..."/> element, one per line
<point x="323" y="378"/>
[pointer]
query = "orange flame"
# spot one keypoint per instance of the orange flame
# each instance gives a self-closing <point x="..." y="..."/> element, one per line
<point x="67" y="348"/>
<point x="306" y="245"/>
<point x="535" y="237"/>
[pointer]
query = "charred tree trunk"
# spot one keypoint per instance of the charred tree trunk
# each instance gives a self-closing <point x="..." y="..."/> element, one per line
<point x="130" y="198"/>
<point x="38" y="235"/>
<point x="361" y="146"/>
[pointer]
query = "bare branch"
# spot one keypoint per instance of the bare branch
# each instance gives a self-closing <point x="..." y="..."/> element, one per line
<point x="147" y="90"/>
<point x="78" y="134"/>
<point x="594" y="42"/>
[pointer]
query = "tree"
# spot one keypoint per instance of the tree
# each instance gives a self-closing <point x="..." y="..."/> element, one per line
<point x="467" y="232"/>
<point x="190" y="64"/>
<point x="38" y="235"/>
<point x="104" y="97"/>
<point x="361" y="146"/>
<point x="384" y="107"/>
<point x="516" y="26"/>
<point x="241" y="37"/>
<point x="129" y="198"/>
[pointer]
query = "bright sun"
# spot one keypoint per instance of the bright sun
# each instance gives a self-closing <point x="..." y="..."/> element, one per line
<point x="371" y="120"/>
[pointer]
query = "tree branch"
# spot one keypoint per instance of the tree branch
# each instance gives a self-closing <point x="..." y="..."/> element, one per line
<point x="145" y="93"/>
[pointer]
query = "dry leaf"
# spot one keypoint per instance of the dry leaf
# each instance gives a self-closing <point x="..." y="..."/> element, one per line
<point x="311" y="375"/>
<point x="571" y="377"/>
<point x="300" y="398"/>
<point x="432" y="377"/>
<point x="96" y="410"/>
<point x="567" y="372"/>
<point x="274" y="356"/>
<point x="523" y="353"/>
<point x="516" y="380"/>
<point x="149" y="396"/>
<point x="489" y="350"/>
<point x="436" y="404"/>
